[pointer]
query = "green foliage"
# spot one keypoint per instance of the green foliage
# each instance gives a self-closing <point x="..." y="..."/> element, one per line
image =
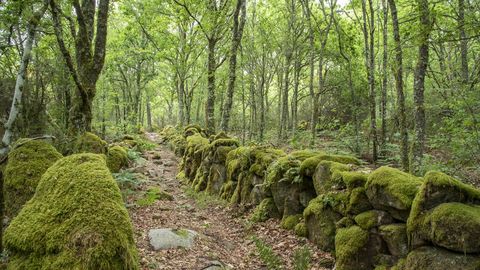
<point x="302" y="258"/>
<point x="152" y="195"/>
<point x="127" y="182"/>
<point x="267" y="255"/>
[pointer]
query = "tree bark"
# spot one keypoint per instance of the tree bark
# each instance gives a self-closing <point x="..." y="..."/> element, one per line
<point x="89" y="56"/>
<point x="398" y="73"/>
<point x="419" y="86"/>
<point x="384" y="75"/>
<point x="237" y="33"/>
<point x="463" y="40"/>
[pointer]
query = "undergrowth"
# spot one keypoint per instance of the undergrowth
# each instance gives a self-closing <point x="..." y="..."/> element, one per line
<point x="267" y="255"/>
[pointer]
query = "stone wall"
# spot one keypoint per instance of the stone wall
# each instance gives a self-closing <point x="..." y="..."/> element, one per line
<point x="385" y="219"/>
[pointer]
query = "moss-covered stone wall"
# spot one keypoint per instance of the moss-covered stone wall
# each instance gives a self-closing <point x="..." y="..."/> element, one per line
<point x="381" y="219"/>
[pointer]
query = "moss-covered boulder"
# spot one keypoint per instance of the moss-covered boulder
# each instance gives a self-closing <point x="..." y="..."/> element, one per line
<point x="26" y="165"/>
<point x="395" y="235"/>
<point x="393" y="191"/>
<point x="90" y="143"/>
<point x="309" y="165"/>
<point x="265" y="210"/>
<point x="217" y="153"/>
<point x="75" y="220"/>
<point x="433" y="258"/>
<point x="323" y="179"/>
<point x="447" y="213"/>
<point x="373" y="218"/>
<point x="358" y="201"/>
<point x="356" y="249"/>
<point x="117" y="158"/>
<point x="321" y="217"/>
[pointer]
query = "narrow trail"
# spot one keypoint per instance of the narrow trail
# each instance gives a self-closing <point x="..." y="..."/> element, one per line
<point x="224" y="236"/>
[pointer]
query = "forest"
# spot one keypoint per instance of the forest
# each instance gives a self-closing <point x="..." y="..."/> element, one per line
<point x="302" y="134"/>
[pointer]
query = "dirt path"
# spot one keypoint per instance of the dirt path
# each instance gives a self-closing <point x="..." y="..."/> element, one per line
<point x="224" y="234"/>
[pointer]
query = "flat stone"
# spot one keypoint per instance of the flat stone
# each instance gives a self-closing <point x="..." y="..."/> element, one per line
<point x="167" y="238"/>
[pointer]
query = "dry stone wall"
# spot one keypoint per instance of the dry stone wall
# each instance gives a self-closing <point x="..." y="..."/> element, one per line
<point x="385" y="219"/>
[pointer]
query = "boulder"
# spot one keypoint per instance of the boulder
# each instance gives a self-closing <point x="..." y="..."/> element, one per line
<point x="373" y="218"/>
<point x="171" y="238"/>
<point x="447" y="213"/>
<point x="393" y="191"/>
<point x="265" y="210"/>
<point x="321" y="217"/>
<point x="395" y="235"/>
<point x="26" y="164"/>
<point x="90" y="143"/>
<point x="117" y="158"/>
<point x="75" y="220"/>
<point x="308" y="166"/>
<point x="323" y="181"/>
<point x="358" y="201"/>
<point x="433" y="258"/>
<point x="356" y="249"/>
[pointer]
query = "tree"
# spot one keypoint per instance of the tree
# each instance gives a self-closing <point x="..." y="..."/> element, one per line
<point x="237" y="33"/>
<point x="419" y="84"/>
<point x="398" y="73"/>
<point x="21" y="77"/>
<point x="90" y="41"/>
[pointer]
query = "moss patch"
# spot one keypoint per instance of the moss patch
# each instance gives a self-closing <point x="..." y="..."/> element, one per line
<point x="358" y="201"/>
<point x="265" y="210"/>
<point x="117" y="158"/>
<point x="57" y="230"/>
<point x="310" y="164"/>
<point x="392" y="190"/>
<point x="426" y="258"/>
<point x="289" y="222"/>
<point x="348" y="243"/>
<point x="327" y="177"/>
<point x="301" y="229"/>
<point x="90" y="143"/>
<point x="26" y="164"/>
<point x="372" y="218"/>
<point x="154" y="194"/>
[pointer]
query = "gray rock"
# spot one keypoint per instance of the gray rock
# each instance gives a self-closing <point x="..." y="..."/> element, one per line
<point x="167" y="238"/>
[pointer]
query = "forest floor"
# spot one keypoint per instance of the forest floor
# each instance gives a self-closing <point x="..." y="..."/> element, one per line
<point x="224" y="234"/>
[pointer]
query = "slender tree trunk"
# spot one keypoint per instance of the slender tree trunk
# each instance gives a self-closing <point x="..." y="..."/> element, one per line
<point x="149" y="113"/>
<point x="237" y="32"/>
<point x="398" y="72"/>
<point x="296" y="82"/>
<point x="384" y="74"/>
<point x="261" y="97"/>
<point x="419" y="86"/>
<point x="20" y="82"/>
<point x="210" y="104"/>
<point x="463" y="40"/>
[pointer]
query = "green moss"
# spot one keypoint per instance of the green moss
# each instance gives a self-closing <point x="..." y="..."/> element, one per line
<point x="395" y="235"/>
<point x="225" y="142"/>
<point x="301" y="229"/>
<point x="310" y="164"/>
<point x="348" y="243"/>
<point x="358" y="201"/>
<point x="289" y="222"/>
<point x="265" y="210"/>
<point x="334" y="200"/>
<point x="327" y="176"/>
<point x="117" y="158"/>
<point x="26" y="164"/>
<point x="353" y="179"/>
<point x="373" y="218"/>
<point x="392" y="190"/>
<point x="75" y="220"/>
<point x="437" y="189"/>
<point x="427" y="258"/>
<point x="263" y="157"/>
<point x="152" y="195"/>
<point x="345" y="222"/>
<point x="90" y="143"/>
<point x="301" y="155"/>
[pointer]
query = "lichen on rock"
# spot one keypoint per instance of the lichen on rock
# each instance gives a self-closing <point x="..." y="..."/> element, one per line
<point x="26" y="165"/>
<point x="75" y="220"/>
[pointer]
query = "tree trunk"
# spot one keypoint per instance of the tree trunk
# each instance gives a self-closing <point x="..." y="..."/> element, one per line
<point x="20" y="82"/>
<point x="419" y="86"/>
<point x="398" y="72"/>
<point x="384" y="74"/>
<point x="210" y="104"/>
<point x="463" y="40"/>
<point x="237" y="32"/>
